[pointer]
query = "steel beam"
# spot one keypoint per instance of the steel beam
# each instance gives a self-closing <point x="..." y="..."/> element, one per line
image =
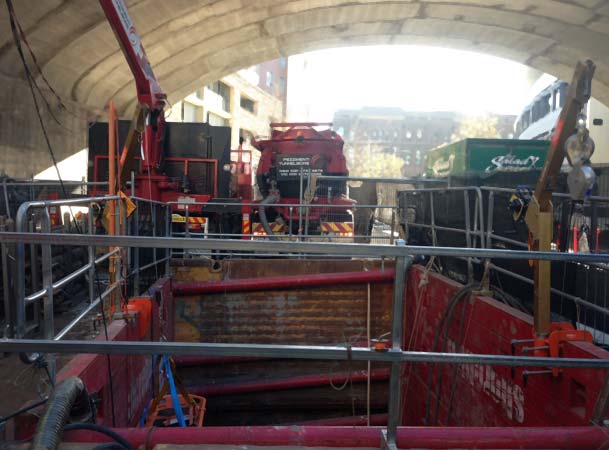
<point x="331" y="353"/>
<point x="325" y="248"/>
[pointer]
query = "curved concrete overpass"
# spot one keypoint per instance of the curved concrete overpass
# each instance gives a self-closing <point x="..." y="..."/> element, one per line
<point x="193" y="42"/>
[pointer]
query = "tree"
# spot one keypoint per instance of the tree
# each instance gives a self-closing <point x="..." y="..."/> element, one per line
<point x="482" y="126"/>
<point x="374" y="164"/>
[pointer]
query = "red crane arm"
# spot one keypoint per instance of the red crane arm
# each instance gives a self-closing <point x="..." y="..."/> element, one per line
<point x="149" y="119"/>
<point x="149" y="91"/>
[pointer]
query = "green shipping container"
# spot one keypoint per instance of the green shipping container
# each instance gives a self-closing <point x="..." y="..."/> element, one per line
<point x="486" y="157"/>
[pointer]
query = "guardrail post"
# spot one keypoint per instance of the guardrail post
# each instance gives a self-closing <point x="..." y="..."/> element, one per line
<point x="392" y="239"/>
<point x="402" y="264"/>
<point x="187" y="229"/>
<point x="136" y="251"/>
<point x="154" y="230"/>
<point x="34" y="272"/>
<point x="117" y="299"/>
<point x="434" y="239"/>
<point x="91" y="251"/>
<point x="20" y="273"/>
<point x="468" y="237"/>
<point x="47" y="281"/>
<point x="5" y="225"/>
<point x="168" y="234"/>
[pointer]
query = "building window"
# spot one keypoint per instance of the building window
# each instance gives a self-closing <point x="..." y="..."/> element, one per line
<point x="223" y="90"/>
<point x="189" y="112"/>
<point x="216" y="120"/>
<point x="408" y="135"/>
<point x="282" y="85"/>
<point x="269" y="79"/>
<point x="248" y="104"/>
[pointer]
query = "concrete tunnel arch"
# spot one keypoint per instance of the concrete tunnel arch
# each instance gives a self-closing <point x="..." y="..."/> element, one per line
<point x="193" y="42"/>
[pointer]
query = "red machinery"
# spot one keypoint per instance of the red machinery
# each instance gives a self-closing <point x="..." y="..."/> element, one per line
<point x="291" y="160"/>
<point x="148" y="122"/>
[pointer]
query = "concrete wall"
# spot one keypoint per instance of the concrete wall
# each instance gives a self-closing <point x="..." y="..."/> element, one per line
<point x="23" y="150"/>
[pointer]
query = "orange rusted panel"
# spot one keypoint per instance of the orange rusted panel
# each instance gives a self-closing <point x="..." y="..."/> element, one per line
<point x="332" y="315"/>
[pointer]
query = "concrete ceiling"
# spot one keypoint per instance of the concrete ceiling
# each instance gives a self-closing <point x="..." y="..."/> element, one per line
<point x="193" y="42"/>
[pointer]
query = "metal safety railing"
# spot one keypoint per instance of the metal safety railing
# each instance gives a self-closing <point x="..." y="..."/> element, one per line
<point x="488" y="225"/>
<point x="424" y="202"/>
<point x="15" y="192"/>
<point x="191" y="224"/>
<point x="33" y="216"/>
<point x="403" y="256"/>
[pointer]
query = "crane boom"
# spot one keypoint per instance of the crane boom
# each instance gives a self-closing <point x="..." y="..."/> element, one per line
<point x="149" y="91"/>
<point x="539" y="216"/>
<point x="149" y="119"/>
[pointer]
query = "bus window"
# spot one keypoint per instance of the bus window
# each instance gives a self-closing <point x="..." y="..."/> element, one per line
<point x="563" y="94"/>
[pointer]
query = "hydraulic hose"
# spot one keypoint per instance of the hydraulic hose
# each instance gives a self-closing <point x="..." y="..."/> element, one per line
<point x="56" y="414"/>
<point x="103" y="430"/>
<point x="269" y="200"/>
<point x="67" y="395"/>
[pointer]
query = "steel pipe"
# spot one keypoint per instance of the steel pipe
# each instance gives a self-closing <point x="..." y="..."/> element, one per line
<point x="574" y="438"/>
<point x="331" y="353"/>
<point x="286" y="282"/>
<point x="325" y="248"/>
<point x="70" y="277"/>
<point x="65" y="330"/>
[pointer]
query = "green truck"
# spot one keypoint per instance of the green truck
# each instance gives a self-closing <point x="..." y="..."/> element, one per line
<point x="481" y="158"/>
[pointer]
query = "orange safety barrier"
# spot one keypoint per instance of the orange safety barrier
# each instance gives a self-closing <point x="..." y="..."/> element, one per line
<point x="143" y="308"/>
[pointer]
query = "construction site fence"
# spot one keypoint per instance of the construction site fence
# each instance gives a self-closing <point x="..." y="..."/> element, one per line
<point x="34" y="281"/>
<point x="479" y="217"/>
<point x="402" y="254"/>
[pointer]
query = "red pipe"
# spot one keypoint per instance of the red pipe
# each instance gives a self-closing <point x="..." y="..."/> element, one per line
<point x="575" y="438"/>
<point x="296" y="382"/>
<point x="293" y="281"/>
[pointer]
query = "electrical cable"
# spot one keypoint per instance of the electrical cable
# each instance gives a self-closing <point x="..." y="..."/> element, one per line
<point x="447" y="312"/>
<point x="100" y="429"/>
<point x="455" y="367"/>
<point x="447" y="327"/>
<point x="33" y="86"/>
<point x="23" y="410"/>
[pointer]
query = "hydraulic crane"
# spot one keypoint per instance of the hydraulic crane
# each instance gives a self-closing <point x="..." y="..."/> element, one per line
<point x="148" y="126"/>
<point x="539" y="216"/>
<point x="149" y="120"/>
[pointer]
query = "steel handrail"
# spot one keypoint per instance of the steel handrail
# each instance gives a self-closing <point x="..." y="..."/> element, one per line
<point x="70" y="277"/>
<point x="326" y="248"/>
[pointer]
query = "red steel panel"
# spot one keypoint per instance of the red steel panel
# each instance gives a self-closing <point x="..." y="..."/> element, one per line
<point x="485" y="395"/>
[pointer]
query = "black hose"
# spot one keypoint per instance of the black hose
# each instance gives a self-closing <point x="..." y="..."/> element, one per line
<point x="100" y="429"/>
<point x="109" y="446"/>
<point x="446" y="316"/>
<point x="57" y="412"/>
<point x="269" y="200"/>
